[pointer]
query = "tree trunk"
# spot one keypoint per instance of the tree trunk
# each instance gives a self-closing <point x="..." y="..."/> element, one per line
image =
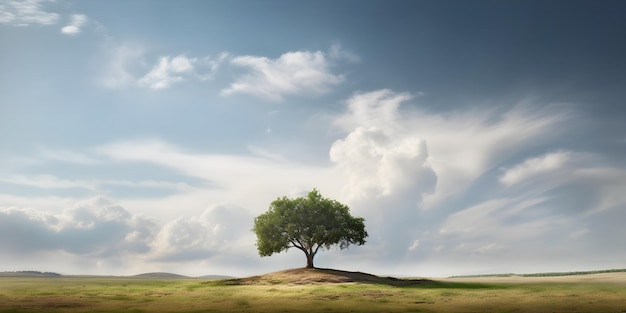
<point x="309" y="260"/>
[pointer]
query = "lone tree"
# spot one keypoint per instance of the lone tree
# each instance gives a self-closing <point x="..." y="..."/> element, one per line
<point x="307" y="224"/>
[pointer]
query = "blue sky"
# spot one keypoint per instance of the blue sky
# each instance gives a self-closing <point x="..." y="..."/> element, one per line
<point x="472" y="136"/>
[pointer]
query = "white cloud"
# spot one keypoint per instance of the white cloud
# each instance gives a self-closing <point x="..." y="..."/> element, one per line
<point x="167" y="72"/>
<point x="379" y="157"/>
<point x="378" y="163"/>
<point x="599" y="188"/>
<point x="74" y="27"/>
<point x="461" y="145"/>
<point x="292" y="73"/>
<point x="387" y="157"/>
<point x="300" y="72"/>
<point x="533" y="167"/>
<point x="230" y="176"/>
<point x="67" y="156"/>
<point x="127" y="62"/>
<point x="45" y="181"/>
<point x="25" y="13"/>
<point x="337" y="52"/>
<point x="95" y="228"/>
<point x="378" y="108"/>
<point x="218" y="230"/>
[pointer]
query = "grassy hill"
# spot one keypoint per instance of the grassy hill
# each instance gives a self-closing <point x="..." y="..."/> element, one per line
<point x="160" y="275"/>
<point x="311" y="290"/>
<point x="307" y="276"/>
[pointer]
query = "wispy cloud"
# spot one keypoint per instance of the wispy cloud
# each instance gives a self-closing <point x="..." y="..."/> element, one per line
<point x="170" y="70"/>
<point x="300" y="72"/>
<point x="461" y="146"/>
<point x="532" y="167"/>
<point x="26" y="12"/>
<point x="122" y="63"/>
<point x="129" y="65"/>
<point x="292" y="73"/>
<point x="67" y="156"/>
<point x="77" y="21"/>
<point x="337" y="52"/>
<point x="46" y="181"/>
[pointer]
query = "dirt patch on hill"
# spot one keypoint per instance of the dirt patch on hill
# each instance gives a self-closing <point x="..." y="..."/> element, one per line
<point x="309" y="276"/>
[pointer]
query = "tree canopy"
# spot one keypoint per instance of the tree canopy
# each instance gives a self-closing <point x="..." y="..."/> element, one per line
<point x="309" y="224"/>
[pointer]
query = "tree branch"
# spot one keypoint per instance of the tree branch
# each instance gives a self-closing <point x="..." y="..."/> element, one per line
<point x="293" y="243"/>
<point x="318" y="247"/>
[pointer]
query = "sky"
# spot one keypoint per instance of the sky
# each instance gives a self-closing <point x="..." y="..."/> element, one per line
<point x="473" y="136"/>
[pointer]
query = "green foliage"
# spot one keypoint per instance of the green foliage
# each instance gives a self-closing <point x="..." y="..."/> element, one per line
<point x="308" y="224"/>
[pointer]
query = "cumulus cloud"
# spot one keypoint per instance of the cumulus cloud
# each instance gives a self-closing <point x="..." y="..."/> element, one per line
<point x="95" y="228"/>
<point x="218" y="230"/>
<point x="378" y="163"/>
<point x="292" y="73"/>
<point x="532" y="167"/>
<point x="25" y="13"/>
<point x="457" y="147"/>
<point x="379" y="157"/>
<point x="76" y="22"/>
<point x="396" y="162"/>
<point x="389" y="158"/>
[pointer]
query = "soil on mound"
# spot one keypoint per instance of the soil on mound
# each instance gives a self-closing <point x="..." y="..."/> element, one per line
<point x="307" y="276"/>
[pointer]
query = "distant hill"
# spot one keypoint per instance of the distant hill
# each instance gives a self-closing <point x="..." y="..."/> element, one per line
<point x="216" y="277"/>
<point x="160" y="275"/>
<point x="308" y="276"/>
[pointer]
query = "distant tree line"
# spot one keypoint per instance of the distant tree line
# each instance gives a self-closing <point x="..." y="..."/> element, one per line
<point x="545" y="274"/>
<point x="33" y="273"/>
<point x="574" y="273"/>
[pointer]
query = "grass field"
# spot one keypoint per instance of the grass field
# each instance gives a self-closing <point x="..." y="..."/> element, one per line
<point x="310" y="292"/>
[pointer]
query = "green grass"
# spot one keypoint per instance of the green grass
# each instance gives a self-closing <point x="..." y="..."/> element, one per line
<point x="192" y="295"/>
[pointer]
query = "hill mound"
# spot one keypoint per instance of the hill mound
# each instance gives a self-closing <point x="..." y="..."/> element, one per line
<point x="216" y="277"/>
<point x="307" y="276"/>
<point x="160" y="275"/>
